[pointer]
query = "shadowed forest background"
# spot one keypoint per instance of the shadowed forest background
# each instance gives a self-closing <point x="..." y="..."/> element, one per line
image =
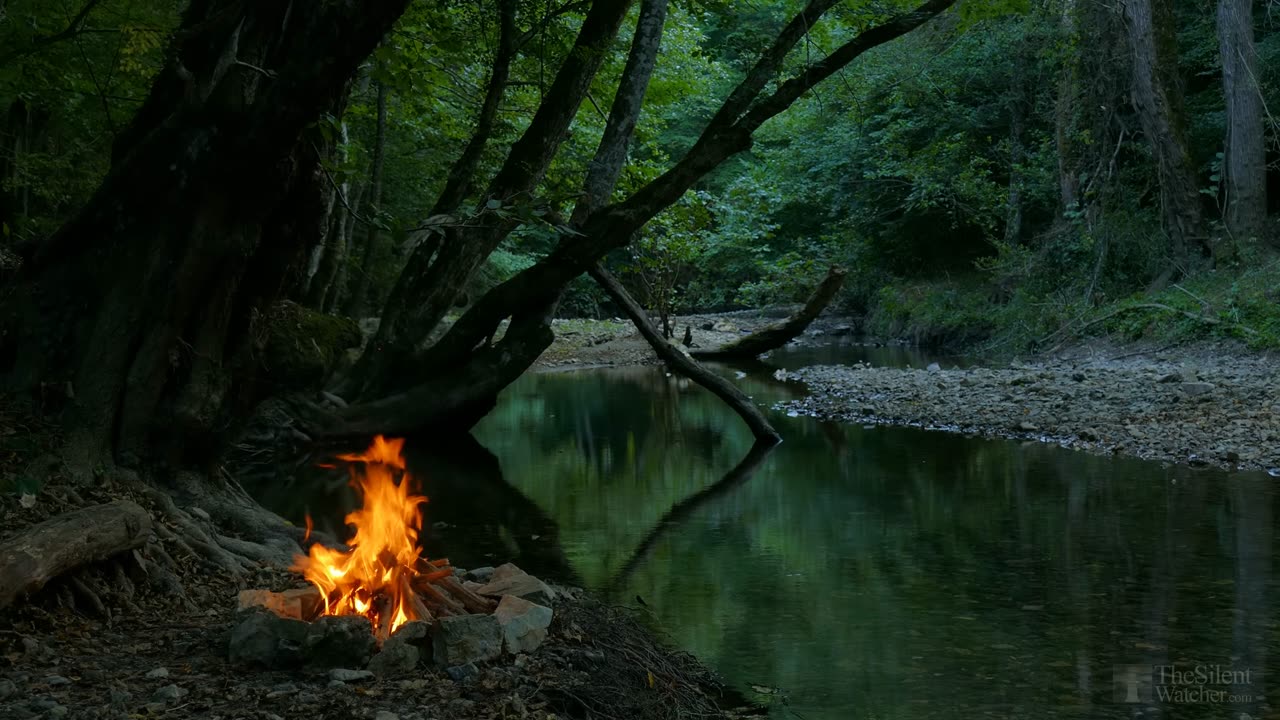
<point x="988" y="179"/>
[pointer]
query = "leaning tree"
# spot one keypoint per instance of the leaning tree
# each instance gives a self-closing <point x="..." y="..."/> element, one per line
<point x="144" y="308"/>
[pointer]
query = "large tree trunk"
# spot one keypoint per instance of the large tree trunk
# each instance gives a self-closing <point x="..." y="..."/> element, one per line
<point x="1157" y="95"/>
<point x="147" y="301"/>
<point x="1244" y="167"/>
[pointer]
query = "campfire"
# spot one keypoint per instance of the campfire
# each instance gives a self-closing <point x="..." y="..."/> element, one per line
<point x="379" y="594"/>
<point x="384" y="576"/>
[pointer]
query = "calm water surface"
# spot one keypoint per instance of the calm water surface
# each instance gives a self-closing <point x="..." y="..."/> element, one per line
<point x="868" y="572"/>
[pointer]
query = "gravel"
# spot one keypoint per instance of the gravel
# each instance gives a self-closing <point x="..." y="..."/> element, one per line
<point x="1191" y="408"/>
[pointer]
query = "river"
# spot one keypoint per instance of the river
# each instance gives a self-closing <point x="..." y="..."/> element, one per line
<point x="877" y="572"/>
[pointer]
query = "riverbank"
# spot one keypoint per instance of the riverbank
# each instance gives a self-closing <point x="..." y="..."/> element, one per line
<point x="147" y="634"/>
<point x="1199" y="405"/>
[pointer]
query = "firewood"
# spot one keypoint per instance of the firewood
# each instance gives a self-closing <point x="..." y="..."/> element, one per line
<point x="44" y="551"/>
<point x="431" y="591"/>
<point x="471" y="601"/>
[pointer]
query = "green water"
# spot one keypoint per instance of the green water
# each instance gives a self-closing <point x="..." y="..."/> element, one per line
<point x="893" y="573"/>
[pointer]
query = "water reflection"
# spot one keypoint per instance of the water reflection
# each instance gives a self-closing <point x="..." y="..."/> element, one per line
<point x="895" y="573"/>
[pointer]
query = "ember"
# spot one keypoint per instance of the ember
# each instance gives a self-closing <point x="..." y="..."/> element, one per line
<point x="384" y="577"/>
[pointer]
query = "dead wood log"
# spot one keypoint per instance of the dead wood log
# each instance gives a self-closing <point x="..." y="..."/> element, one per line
<point x="63" y="543"/>
<point x="779" y="334"/>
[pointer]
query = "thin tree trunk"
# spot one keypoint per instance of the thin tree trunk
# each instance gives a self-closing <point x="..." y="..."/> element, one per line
<point x="1244" y="168"/>
<point x="1017" y="152"/>
<point x="359" y="301"/>
<point x="1157" y="95"/>
<point x="1065" y="112"/>
<point x="336" y="294"/>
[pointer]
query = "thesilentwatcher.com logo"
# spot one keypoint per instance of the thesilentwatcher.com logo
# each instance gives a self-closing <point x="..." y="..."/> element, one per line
<point x="1214" y="684"/>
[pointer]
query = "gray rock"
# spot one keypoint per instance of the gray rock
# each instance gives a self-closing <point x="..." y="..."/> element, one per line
<point x="56" y="680"/>
<point x="463" y="639"/>
<point x="480" y="574"/>
<point x="346" y="675"/>
<point x="169" y="694"/>
<point x="119" y="697"/>
<point x="1026" y="426"/>
<point x="340" y="641"/>
<point x="459" y="673"/>
<point x="934" y="367"/>
<point x="723" y="326"/>
<point x="524" y="624"/>
<point x="385" y="715"/>
<point x="158" y="673"/>
<point x="1170" y="378"/>
<point x="267" y="640"/>
<point x="7" y="689"/>
<point x="58" y="711"/>
<point x="511" y="580"/>
<point x="396" y="658"/>
<point x="842" y="330"/>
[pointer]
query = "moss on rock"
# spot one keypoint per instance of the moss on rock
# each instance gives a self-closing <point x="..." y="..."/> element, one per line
<point x="300" y="347"/>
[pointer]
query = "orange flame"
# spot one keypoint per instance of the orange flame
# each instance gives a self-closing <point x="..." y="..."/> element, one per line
<point x="374" y="578"/>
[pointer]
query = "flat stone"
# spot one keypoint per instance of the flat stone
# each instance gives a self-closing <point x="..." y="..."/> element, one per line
<point x="463" y="639"/>
<point x="340" y="641"/>
<point x="385" y="715"/>
<point x="459" y="673"/>
<point x="511" y="580"/>
<point x="346" y="675"/>
<point x="158" y="673"/>
<point x="56" y="680"/>
<point x="300" y="604"/>
<point x="524" y="624"/>
<point x="1193" y="389"/>
<point x="480" y="574"/>
<point x="267" y="640"/>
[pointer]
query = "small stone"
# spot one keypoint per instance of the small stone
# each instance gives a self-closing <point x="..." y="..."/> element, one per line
<point x="1077" y="376"/>
<point x="346" y="675"/>
<point x="1170" y="378"/>
<point x="385" y="715"/>
<point x="58" y="711"/>
<point x="336" y="684"/>
<point x="158" y="673"/>
<point x="120" y="697"/>
<point x="524" y="624"/>
<point x="168" y="694"/>
<point x="1026" y="426"/>
<point x="459" y="673"/>
<point x="340" y="641"/>
<point x="7" y="688"/>
<point x="934" y="367"/>
<point x="480" y="574"/>
<point x="1089" y="434"/>
<point x="465" y="638"/>
<point x="56" y="680"/>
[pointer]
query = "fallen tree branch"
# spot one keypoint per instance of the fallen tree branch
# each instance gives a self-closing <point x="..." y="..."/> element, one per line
<point x="779" y="334"/>
<point x="43" y="552"/>
<point x="678" y="360"/>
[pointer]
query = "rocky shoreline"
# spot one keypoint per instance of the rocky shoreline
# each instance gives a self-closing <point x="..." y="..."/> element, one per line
<point x="1191" y="406"/>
